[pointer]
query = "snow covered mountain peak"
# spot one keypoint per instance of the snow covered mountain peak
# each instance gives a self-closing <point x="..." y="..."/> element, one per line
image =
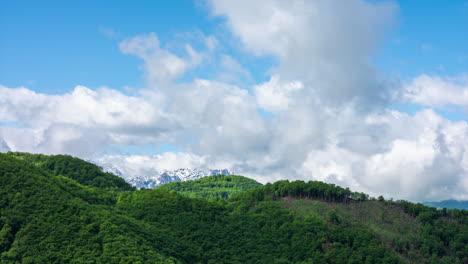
<point x="183" y="174"/>
<point x="150" y="178"/>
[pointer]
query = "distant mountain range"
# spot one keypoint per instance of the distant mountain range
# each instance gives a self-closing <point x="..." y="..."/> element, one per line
<point x="150" y="180"/>
<point x="162" y="177"/>
<point x="449" y="204"/>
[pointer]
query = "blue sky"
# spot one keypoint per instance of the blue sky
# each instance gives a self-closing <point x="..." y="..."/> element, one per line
<point x="367" y="94"/>
<point x="430" y="38"/>
<point x="51" y="46"/>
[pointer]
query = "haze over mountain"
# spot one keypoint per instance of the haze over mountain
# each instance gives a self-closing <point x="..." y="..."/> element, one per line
<point x="151" y="175"/>
<point x="4" y="146"/>
<point x="370" y="95"/>
<point x="449" y="204"/>
<point x="156" y="178"/>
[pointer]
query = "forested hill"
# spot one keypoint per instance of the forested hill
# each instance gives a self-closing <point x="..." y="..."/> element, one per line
<point x="53" y="214"/>
<point x="218" y="186"/>
<point x="83" y="172"/>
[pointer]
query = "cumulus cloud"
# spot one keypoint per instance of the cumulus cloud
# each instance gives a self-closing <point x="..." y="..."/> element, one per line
<point x="324" y="43"/>
<point x="274" y="95"/>
<point x="79" y="120"/>
<point x="322" y="115"/>
<point x="83" y="106"/>
<point x="436" y="91"/>
<point x="160" y="64"/>
<point x="417" y="157"/>
<point x="86" y="119"/>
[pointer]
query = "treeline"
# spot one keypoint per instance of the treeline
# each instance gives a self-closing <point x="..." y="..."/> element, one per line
<point x="427" y="213"/>
<point x="300" y="189"/>
<point x="334" y="193"/>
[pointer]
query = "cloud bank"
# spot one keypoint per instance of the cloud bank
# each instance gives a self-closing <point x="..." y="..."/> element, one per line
<point x="324" y="114"/>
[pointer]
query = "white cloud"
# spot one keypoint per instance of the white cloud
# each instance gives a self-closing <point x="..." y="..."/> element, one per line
<point x="421" y="157"/>
<point x="90" y="118"/>
<point x="139" y="165"/>
<point x="435" y="91"/>
<point x="84" y="121"/>
<point x="160" y="64"/>
<point x="325" y="43"/>
<point x="232" y="71"/>
<point x="275" y="95"/>
<point x="102" y="108"/>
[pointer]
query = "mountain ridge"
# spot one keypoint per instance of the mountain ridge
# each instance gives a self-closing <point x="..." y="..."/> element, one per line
<point x="160" y="177"/>
<point x="50" y="217"/>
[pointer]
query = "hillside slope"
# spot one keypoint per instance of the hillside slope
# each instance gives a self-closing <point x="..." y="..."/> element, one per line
<point x="77" y="169"/>
<point x="48" y="219"/>
<point x="52" y="218"/>
<point x="217" y="186"/>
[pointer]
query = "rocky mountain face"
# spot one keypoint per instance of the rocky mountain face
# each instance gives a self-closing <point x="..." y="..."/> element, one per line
<point x="156" y="178"/>
<point x="150" y="182"/>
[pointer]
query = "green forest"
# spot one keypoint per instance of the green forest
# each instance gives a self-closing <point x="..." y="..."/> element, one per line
<point x="217" y="186"/>
<point x="61" y="209"/>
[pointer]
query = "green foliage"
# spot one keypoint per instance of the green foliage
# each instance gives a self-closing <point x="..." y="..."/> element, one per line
<point x="218" y="186"/>
<point x="301" y="189"/>
<point x="79" y="170"/>
<point x="53" y="214"/>
<point x="44" y="219"/>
